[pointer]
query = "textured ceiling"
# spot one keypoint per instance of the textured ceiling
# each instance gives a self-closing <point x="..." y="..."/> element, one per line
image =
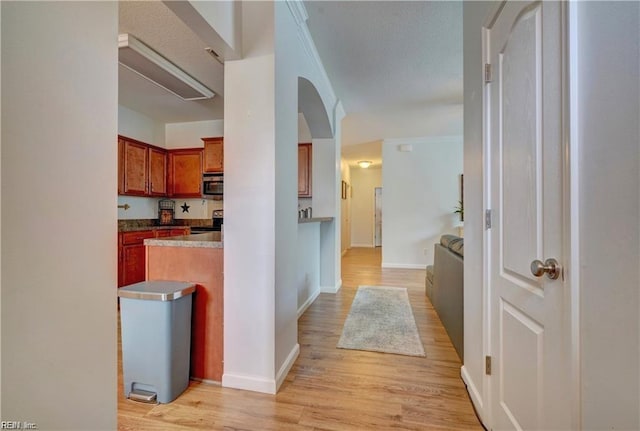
<point x="154" y="24"/>
<point x="396" y="66"/>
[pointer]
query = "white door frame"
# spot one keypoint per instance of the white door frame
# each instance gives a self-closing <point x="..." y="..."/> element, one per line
<point x="571" y="219"/>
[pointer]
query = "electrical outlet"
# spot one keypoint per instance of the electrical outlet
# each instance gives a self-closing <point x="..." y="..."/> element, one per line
<point x="425" y="250"/>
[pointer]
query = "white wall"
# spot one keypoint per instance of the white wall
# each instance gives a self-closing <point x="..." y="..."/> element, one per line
<point x="135" y="125"/>
<point x="362" y="194"/>
<point x="608" y="95"/>
<point x="421" y="190"/>
<point x="249" y="264"/>
<point x="324" y="161"/>
<point x="261" y="130"/>
<point x="307" y="265"/>
<point x="190" y="134"/>
<point x="59" y="159"/>
<point x="475" y="15"/>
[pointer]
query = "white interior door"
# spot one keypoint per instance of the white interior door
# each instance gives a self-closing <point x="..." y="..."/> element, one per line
<point x="530" y="336"/>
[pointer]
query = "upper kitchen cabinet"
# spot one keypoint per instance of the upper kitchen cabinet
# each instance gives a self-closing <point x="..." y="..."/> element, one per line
<point x="157" y="172"/>
<point x="120" y="165"/>
<point x="185" y="173"/>
<point x="135" y="159"/>
<point x="304" y="170"/>
<point x="213" y="155"/>
<point x="142" y="168"/>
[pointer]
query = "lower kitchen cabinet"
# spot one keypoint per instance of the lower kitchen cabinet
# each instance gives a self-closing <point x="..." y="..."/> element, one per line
<point x="131" y="252"/>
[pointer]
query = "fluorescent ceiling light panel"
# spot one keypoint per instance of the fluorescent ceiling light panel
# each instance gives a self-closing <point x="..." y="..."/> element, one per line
<point x="141" y="59"/>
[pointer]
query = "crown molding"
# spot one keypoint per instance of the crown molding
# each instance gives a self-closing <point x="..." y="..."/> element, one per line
<point x="299" y="12"/>
<point x="300" y="16"/>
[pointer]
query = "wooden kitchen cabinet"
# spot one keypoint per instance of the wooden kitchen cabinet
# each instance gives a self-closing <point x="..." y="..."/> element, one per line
<point x="213" y="159"/>
<point x="131" y="256"/>
<point x="157" y="172"/>
<point x="304" y="170"/>
<point x="163" y="233"/>
<point x="131" y="252"/>
<point x="136" y="156"/>
<point x="120" y="165"/>
<point x="185" y="173"/>
<point x="142" y="168"/>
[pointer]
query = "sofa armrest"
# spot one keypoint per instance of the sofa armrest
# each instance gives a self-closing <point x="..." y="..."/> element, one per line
<point x="448" y="281"/>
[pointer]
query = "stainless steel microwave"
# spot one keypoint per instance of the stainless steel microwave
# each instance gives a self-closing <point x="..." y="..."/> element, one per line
<point x="213" y="185"/>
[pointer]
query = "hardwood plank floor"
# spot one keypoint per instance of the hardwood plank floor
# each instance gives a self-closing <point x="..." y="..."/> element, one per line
<point x="330" y="388"/>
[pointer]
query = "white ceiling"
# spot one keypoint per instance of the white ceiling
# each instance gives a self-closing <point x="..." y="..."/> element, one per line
<point x="396" y="66"/>
<point x="157" y="26"/>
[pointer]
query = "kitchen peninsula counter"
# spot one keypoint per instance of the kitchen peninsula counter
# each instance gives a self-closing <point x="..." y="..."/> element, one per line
<point x="196" y="258"/>
<point x="314" y="219"/>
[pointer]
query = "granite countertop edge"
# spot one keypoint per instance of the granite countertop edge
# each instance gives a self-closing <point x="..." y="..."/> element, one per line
<point x="314" y="219"/>
<point x="139" y="228"/>
<point x="192" y="241"/>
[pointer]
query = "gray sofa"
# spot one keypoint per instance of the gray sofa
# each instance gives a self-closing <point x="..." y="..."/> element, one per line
<point x="444" y="287"/>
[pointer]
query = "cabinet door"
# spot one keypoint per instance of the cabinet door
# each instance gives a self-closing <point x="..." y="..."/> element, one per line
<point x="185" y="173"/>
<point x="180" y="231"/>
<point x="133" y="257"/>
<point x="157" y="172"/>
<point x="304" y="170"/>
<point x="120" y="166"/>
<point x="135" y="168"/>
<point x="213" y="155"/>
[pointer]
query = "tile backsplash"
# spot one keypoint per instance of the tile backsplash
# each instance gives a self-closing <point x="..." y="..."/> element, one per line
<point x="147" y="208"/>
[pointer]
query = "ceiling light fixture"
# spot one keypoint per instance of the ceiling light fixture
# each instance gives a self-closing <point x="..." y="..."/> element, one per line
<point x="143" y="60"/>
<point x="364" y="164"/>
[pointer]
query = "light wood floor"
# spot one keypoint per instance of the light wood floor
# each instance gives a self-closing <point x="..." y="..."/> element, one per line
<point x="330" y="388"/>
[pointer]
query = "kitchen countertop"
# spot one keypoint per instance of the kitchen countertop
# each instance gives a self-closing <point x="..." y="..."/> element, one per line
<point x="314" y="219"/>
<point x="140" y="228"/>
<point x="199" y="240"/>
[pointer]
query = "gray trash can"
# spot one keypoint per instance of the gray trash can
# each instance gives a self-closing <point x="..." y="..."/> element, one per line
<point x="155" y="322"/>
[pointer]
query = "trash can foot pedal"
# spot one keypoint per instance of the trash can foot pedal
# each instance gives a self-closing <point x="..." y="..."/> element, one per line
<point x="143" y="396"/>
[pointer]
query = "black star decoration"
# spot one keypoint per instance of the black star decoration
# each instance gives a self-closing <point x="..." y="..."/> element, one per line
<point x="185" y="208"/>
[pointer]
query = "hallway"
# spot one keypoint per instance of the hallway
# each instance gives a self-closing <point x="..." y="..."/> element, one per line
<point x="330" y="388"/>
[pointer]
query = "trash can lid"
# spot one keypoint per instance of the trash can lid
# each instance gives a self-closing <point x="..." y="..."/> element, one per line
<point x="157" y="290"/>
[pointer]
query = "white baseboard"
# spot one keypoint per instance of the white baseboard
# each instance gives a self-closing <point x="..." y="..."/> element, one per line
<point x="286" y="366"/>
<point x="404" y="265"/>
<point x="331" y="289"/>
<point x="260" y="384"/>
<point x="249" y="383"/>
<point x="308" y="302"/>
<point x="362" y="245"/>
<point x="476" y="397"/>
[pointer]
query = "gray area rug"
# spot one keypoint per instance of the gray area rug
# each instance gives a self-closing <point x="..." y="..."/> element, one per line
<point x="381" y="320"/>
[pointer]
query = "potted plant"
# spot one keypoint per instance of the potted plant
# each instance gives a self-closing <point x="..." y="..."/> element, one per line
<point x="460" y="210"/>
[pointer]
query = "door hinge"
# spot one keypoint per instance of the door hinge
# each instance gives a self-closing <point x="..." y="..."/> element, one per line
<point x="488" y="73"/>
<point x="487" y="365"/>
<point x="487" y="219"/>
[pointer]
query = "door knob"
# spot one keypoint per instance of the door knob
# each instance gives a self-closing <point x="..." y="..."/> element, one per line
<point x="550" y="266"/>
